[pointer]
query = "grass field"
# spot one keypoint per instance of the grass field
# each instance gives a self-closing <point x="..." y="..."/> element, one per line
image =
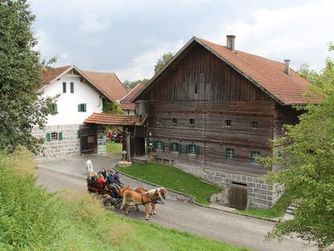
<point x="274" y="212"/>
<point x="113" y="147"/>
<point x="175" y="179"/>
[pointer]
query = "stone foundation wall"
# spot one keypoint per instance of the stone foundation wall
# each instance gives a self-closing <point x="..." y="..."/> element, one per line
<point x="67" y="145"/>
<point x="259" y="193"/>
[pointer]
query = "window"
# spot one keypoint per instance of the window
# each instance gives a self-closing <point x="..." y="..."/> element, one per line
<point x="174" y="121"/>
<point x="229" y="153"/>
<point x="72" y="87"/>
<point x="191" y="122"/>
<point x="196" y="89"/>
<point x="228" y="123"/>
<point x="254" y="124"/>
<point x="193" y="149"/>
<point x="174" y="147"/>
<point x="82" y="108"/>
<point x="54" y="136"/>
<point x="254" y="155"/>
<point x="64" y="87"/>
<point x="53" y="109"/>
<point x="158" y="122"/>
<point x="158" y="145"/>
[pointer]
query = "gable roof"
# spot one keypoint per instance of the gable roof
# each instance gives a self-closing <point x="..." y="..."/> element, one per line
<point x="49" y="74"/>
<point x="109" y="82"/>
<point x="106" y="84"/>
<point x="266" y="74"/>
<point x="135" y="90"/>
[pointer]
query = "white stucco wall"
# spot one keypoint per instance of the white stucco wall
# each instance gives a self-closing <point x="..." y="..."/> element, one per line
<point x="67" y="103"/>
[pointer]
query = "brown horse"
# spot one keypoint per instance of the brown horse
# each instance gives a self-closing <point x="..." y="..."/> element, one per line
<point x="146" y="199"/>
<point x="161" y="190"/>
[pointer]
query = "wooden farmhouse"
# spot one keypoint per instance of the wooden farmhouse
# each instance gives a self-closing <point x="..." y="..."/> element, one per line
<point x="214" y="109"/>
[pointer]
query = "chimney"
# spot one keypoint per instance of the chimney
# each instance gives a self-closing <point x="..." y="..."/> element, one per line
<point x="230" y="42"/>
<point x="287" y="66"/>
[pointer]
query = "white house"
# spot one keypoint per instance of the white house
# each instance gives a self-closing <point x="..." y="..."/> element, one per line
<point x="78" y="95"/>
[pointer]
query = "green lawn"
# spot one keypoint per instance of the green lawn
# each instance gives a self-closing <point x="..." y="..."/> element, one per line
<point x="114" y="147"/>
<point x="274" y="212"/>
<point x="173" y="178"/>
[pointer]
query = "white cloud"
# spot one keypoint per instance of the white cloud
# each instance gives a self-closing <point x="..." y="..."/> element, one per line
<point x="93" y="24"/>
<point x="143" y="65"/>
<point x="299" y="33"/>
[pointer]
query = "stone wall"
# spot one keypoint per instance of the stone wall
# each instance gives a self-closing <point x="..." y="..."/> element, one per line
<point x="259" y="193"/>
<point x="67" y="145"/>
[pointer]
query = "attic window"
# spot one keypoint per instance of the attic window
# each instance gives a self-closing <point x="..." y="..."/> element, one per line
<point x="228" y="123"/>
<point x="64" y="87"/>
<point x="191" y="122"/>
<point x="195" y="89"/>
<point x="174" y="121"/>
<point x="72" y="87"/>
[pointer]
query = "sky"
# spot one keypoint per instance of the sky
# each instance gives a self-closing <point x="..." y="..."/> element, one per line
<point x="128" y="36"/>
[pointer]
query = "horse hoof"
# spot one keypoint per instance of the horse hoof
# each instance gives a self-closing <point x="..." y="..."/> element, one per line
<point x="154" y="212"/>
<point x="147" y="218"/>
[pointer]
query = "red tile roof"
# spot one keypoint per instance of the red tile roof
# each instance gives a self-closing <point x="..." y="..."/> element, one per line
<point x="266" y="74"/>
<point x="49" y="74"/>
<point x="108" y="82"/>
<point x="269" y="74"/>
<point x="128" y="97"/>
<point x="112" y="119"/>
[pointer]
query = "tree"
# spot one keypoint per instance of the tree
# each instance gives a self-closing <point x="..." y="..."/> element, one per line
<point x="162" y="61"/>
<point x="307" y="155"/>
<point x="111" y="107"/>
<point x="20" y="68"/>
<point x="131" y="84"/>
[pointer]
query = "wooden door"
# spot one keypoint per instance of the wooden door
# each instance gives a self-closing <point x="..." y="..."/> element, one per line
<point x="238" y="196"/>
<point x="88" y="141"/>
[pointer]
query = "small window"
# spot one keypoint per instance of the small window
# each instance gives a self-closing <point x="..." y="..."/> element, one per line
<point x="72" y="87"/>
<point x="174" y="121"/>
<point x="196" y="89"/>
<point x="191" y="122"/>
<point x="254" y="124"/>
<point x="228" y="123"/>
<point x="254" y="155"/>
<point x="54" y="136"/>
<point x="159" y="145"/>
<point x="158" y="122"/>
<point x="229" y="153"/>
<point x="174" y="147"/>
<point x="193" y="149"/>
<point x="64" y="87"/>
<point x="82" y="108"/>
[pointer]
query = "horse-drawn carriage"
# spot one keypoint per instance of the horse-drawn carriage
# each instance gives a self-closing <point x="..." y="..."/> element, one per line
<point x="116" y="196"/>
<point x="110" y="197"/>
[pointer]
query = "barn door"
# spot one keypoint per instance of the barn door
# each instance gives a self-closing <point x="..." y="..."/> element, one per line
<point x="88" y="141"/>
<point x="238" y="196"/>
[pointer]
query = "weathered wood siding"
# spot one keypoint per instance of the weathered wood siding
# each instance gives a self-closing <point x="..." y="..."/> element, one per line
<point x="222" y="94"/>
